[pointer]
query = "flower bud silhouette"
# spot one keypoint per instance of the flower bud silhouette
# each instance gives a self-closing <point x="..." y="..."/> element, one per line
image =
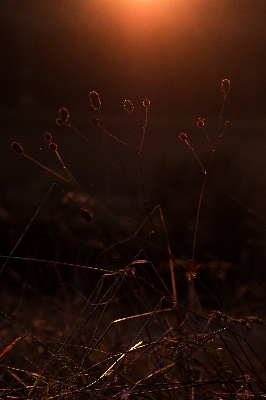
<point x="225" y="86"/>
<point x="183" y="136"/>
<point x="128" y="106"/>
<point x="200" y="123"/>
<point x="146" y="103"/>
<point x="59" y="121"/>
<point x="95" y="100"/>
<point x="53" y="146"/>
<point x="64" y="114"/>
<point x="17" y="147"/>
<point x="85" y="215"/>
<point x="48" y="136"/>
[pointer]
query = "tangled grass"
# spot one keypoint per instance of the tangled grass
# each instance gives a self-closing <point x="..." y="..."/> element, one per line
<point x="116" y="326"/>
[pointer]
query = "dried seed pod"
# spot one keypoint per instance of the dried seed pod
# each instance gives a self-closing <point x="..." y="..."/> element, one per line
<point x="94" y="121"/>
<point x="225" y="85"/>
<point x="128" y="106"/>
<point x="200" y="123"/>
<point x="146" y="103"/>
<point x="95" y="100"/>
<point x="59" y="121"/>
<point x="48" y="136"/>
<point x="183" y="136"/>
<point x="17" y="147"/>
<point x="85" y="215"/>
<point x="53" y="146"/>
<point x="64" y="114"/>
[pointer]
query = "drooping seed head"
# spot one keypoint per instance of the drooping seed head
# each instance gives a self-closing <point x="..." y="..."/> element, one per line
<point x="85" y="215"/>
<point x="94" y="121"/>
<point x="128" y="106"/>
<point x="53" y="146"/>
<point x="95" y="100"/>
<point x="17" y="147"/>
<point x="146" y="103"/>
<point x="183" y="136"/>
<point x="225" y="85"/>
<point x="200" y="123"/>
<point x="47" y="136"/>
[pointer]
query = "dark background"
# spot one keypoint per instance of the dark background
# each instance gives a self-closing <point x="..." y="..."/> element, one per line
<point x="175" y="52"/>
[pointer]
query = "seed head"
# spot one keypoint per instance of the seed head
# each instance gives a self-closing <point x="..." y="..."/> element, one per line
<point x="17" y="148"/>
<point x="95" y="100"/>
<point x="225" y="85"/>
<point x="94" y="121"/>
<point x="128" y="106"/>
<point x="85" y="215"/>
<point x="59" y="121"/>
<point x="183" y="136"/>
<point x="200" y="123"/>
<point x="53" y="146"/>
<point x="48" y="136"/>
<point x="64" y="114"/>
<point x="146" y="103"/>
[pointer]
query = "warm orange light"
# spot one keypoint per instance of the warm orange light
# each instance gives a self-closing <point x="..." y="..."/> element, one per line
<point x="143" y="20"/>
<point x="142" y="17"/>
<point x="145" y="1"/>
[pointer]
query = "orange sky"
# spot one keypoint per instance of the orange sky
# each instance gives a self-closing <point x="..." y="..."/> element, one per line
<point x="170" y="50"/>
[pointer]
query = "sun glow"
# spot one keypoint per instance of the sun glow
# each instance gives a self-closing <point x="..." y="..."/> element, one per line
<point x="138" y="20"/>
<point x="146" y="1"/>
<point x="141" y="17"/>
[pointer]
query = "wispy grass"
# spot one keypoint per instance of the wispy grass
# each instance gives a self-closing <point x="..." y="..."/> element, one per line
<point x="116" y="329"/>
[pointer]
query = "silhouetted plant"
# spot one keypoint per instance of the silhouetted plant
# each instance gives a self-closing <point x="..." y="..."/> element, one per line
<point x="125" y="334"/>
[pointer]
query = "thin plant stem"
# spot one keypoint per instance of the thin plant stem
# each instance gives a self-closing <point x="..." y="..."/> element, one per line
<point x="208" y="138"/>
<point x="221" y="115"/>
<point x="138" y="150"/>
<point x="50" y="170"/>
<point x="197" y="217"/>
<point x="195" y="154"/>
<point x="27" y="227"/>
<point x="113" y="136"/>
<point x="213" y="148"/>
<point x="126" y="173"/>
<point x="171" y="263"/>
<point x="70" y="176"/>
<point x="70" y="125"/>
<point x="144" y="130"/>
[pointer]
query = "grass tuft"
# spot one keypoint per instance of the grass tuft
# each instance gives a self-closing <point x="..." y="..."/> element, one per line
<point x="115" y="314"/>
